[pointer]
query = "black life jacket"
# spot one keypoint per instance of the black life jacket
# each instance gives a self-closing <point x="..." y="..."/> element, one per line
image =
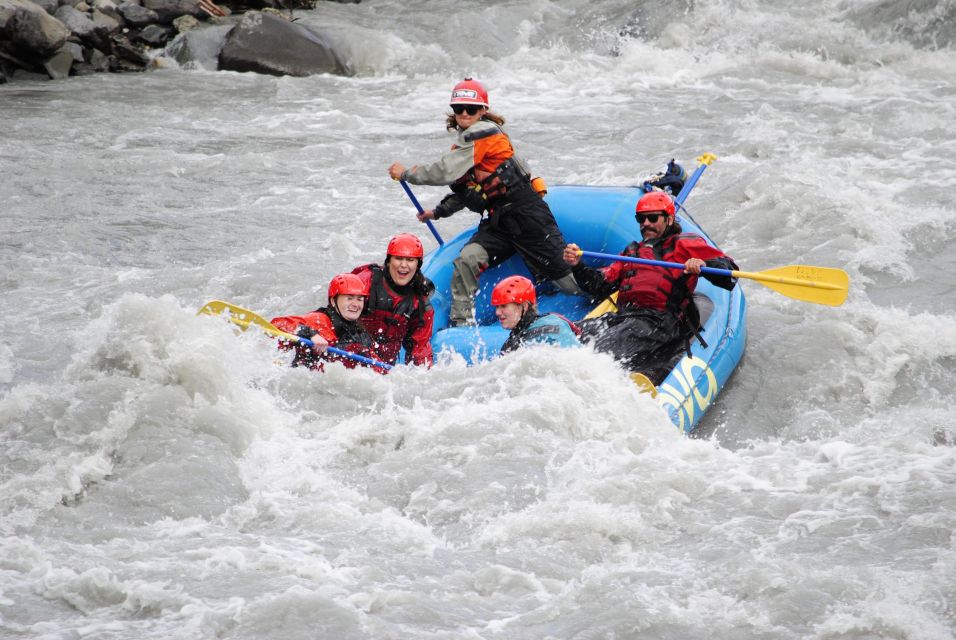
<point x="390" y="308"/>
<point x="349" y="336"/>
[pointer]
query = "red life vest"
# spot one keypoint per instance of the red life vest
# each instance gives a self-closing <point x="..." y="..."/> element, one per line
<point x="659" y="287"/>
<point x="396" y="320"/>
<point x="337" y="331"/>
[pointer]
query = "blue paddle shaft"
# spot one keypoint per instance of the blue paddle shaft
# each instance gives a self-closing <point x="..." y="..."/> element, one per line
<point x="347" y="354"/>
<point x="655" y="263"/>
<point x="418" y="206"/>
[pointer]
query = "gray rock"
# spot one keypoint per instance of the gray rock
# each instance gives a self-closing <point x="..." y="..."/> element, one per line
<point x="128" y="52"/>
<point x="7" y="9"/>
<point x="80" y="25"/>
<point x="99" y="61"/>
<point x="50" y="6"/>
<point x="30" y="31"/>
<point x="155" y="35"/>
<point x="108" y="7"/>
<point x="199" y="48"/>
<point x="138" y="16"/>
<point x="75" y="50"/>
<point x="185" y="23"/>
<point x="100" y="19"/>
<point x="264" y="43"/>
<point x="59" y="64"/>
<point x="169" y="10"/>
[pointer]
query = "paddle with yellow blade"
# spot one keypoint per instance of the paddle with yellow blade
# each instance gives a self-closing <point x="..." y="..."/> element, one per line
<point x="243" y="318"/>
<point x="820" y="285"/>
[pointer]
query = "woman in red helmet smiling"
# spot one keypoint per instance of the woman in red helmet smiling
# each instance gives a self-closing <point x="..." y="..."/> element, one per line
<point x="485" y="175"/>
<point x="336" y="324"/>
<point x="398" y="314"/>
<point x="515" y="304"/>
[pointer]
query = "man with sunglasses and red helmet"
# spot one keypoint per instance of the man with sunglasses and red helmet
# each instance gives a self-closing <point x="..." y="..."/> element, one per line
<point x="334" y="325"/>
<point x="398" y="313"/>
<point x="516" y="307"/>
<point x="485" y="175"/>
<point x="656" y="316"/>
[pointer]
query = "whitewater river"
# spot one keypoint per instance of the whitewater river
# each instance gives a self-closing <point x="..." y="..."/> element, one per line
<point x="163" y="478"/>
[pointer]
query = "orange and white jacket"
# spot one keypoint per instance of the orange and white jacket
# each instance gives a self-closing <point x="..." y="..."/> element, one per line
<point x="482" y="147"/>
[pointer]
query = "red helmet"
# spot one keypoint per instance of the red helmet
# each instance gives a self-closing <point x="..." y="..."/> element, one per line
<point x="515" y="289"/>
<point x="469" y="91"/>
<point x="347" y="284"/>
<point x="405" y="245"/>
<point x="655" y="201"/>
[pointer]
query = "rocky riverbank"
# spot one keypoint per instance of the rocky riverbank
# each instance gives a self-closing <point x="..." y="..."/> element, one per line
<point x="62" y="38"/>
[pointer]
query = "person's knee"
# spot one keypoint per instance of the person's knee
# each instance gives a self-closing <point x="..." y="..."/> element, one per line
<point x="472" y="257"/>
<point x="569" y="285"/>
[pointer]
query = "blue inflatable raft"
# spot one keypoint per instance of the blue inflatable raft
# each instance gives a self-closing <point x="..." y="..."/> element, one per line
<point x="601" y="219"/>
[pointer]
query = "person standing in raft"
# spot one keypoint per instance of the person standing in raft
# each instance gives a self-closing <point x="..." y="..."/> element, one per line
<point x="656" y="317"/>
<point x="398" y="313"/>
<point x="516" y="307"/>
<point x="335" y="325"/>
<point x="485" y="175"/>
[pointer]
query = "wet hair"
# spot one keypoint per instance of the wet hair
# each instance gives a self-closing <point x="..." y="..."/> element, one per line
<point x="529" y="312"/>
<point x="452" y="125"/>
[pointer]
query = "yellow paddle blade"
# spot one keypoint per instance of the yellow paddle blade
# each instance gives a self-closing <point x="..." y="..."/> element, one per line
<point x="243" y="318"/>
<point x="644" y="384"/>
<point x="608" y="306"/>
<point x="822" y="285"/>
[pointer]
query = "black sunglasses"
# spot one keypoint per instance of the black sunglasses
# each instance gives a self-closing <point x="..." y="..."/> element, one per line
<point x="472" y="109"/>
<point x="650" y="217"/>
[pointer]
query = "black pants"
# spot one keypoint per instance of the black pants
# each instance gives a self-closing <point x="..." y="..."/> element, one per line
<point x="647" y="341"/>
<point x="526" y="226"/>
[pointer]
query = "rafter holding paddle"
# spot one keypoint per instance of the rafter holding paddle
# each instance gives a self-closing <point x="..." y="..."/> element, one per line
<point x="820" y="285"/>
<point x="244" y="318"/>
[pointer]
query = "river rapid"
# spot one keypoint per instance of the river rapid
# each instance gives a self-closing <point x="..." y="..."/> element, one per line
<point x="161" y="477"/>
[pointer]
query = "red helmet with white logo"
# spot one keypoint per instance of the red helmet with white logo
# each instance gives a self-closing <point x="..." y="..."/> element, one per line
<point x="654" y="202"/>
<point x="515" y="289"/>
<point x="405" y="245"/>
<point x="347" y="284"/>
<point x="469" y="91"/>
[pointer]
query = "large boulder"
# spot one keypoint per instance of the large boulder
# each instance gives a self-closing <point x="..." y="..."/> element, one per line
<point x="91" y="33"/>
<point x="200" y="47"/>
<point x="50" y="6"/>
<point x="265" y="43"/>
<point x="27" y="31"/>
<point x="138" y="16"/>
